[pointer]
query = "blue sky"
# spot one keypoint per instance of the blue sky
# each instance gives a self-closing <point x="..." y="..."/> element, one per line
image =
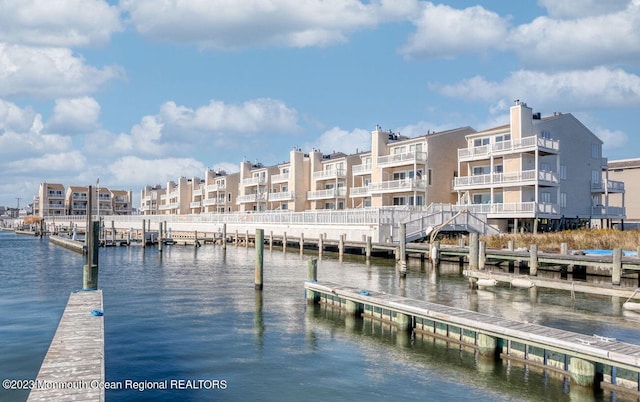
<point x="141" y="92"/>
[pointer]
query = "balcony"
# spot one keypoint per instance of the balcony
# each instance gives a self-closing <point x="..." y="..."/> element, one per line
<point x="526" y="144"/>
<point x="281" y="196"/>
<point x="329" y="174"/>
<point x="407" y="158"/>
<point x="361" y="169"/>
<point x="212" y="201"/>
<point x="280" y="178"/>
<point x="398" y="186"/>
<point x="195" y="204"/>
<point x="522" y="178"/>
<point x="198" y="191"/>
<point x="359" y="192"/>
<point x="254" y="181"/>
<point x="259" y="197"/>
<point x="608" y="186"/>
<point x="339" y="192"/>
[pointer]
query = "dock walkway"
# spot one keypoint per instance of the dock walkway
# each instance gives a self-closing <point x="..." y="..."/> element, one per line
<point x="73" y="368"/>
<point x="589" y="360"/>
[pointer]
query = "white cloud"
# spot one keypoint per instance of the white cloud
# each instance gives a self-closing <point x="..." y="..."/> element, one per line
<point x="612" y="139"/>
<point x="445" y="32"/>
<point x="582" y="8"/>
<point x="599" y="87"/>
<point x="57" y="23"/>
<point x="601" y="39"/>
<point x="75" y="115"/>
<point x="14" y="118"/>
<point x="49" y="72"/>
<point x="227" y="25"/>
<point x="72" y="161"/>
<point x="134" y="171"/>
<point x="340" y="140"/>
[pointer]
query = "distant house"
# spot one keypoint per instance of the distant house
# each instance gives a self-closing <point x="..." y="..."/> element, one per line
<point x="628" y="172"/>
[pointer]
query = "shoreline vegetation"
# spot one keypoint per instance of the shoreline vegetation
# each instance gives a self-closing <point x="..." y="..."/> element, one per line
<point x="583" y="239"/>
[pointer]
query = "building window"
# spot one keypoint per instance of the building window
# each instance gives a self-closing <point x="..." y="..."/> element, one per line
<point x="595" y="151"/>
<point x="502" y="138"/>
<point x="399" y="201"/>
<point x="284" y="207"/>
<point x="595" y="176"/>
<point x="545" y="197"/>
<point x="545" y="134"/>
<point x="480" y="142"/>
<point x="563" y="172"/>
<point x="482" y="198"/>
<point x="563" y="200"/>
<point x="545" y="166"/>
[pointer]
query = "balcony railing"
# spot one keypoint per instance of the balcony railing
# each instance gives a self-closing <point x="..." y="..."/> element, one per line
<point x="195" y="204"/>
<point x="280" y="178"/>
<point x="402" y="159"/>
<point x="212" y="201"/>
<point x="522" y="177"/>
<point x="259" y="197"/>
<point x="612" y="186"/>
<point x="600" y="211"/>
<point x="339" y="192"/>
<point x="329" y="174"/>
<point x="505" y="147"/>
<point x="361" y="169"/>
<point x="214" y="187"/>
<point x="254" y="181"/>
<point x="281" y="196"/>
<point x="512" y="208"/>
<point x="359" y="192"/>
<point x="398" y="185"/>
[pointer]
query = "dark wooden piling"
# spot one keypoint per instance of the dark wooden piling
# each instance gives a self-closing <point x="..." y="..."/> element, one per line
<point x="259" y="243"/>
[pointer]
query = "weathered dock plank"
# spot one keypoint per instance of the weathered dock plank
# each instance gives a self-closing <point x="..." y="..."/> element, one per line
<point x="73" y="368"/>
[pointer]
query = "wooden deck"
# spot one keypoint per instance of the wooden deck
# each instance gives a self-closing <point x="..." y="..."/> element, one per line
<point x="73" y="368"/>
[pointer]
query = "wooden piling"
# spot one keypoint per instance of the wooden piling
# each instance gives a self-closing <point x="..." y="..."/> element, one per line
<point x="271" y="240"/>
<point x="246" y="239"/>
<point x="284" y="242"/>
<point x="616" y="267"/>
<point x="259" y="243"/>
<point x="160" y="237"/>
<point x="482" y="254"/>
<point x="473" y="251"/>
<point x="224" y="236"/>
<point x="367" y="250"/>
<point x="320" y="245"/>
<point x="312" y="270"/>
<point x="237" y="238"/>
<point x="533" y="260"/>
<point x="341" y="246"/>
<point x="301" y="243"/>
<point x="144" y="233"/>
<point x="564" y="248"/>
<point x="403" y="249"/>
<point x="90" y="269"/>
<point x="434" y="253"/>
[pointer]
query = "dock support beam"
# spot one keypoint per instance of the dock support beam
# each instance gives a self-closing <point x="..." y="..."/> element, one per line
<point x="320" y="245"/>
<point x="473" y="251"/>
<point x="482" y="254"/>
<point x="353" y="308"/>
<point x="301" y="243"/>
<point x="160" y="237"/>
<point x="341" y="246"/>
<point x="403" y="322"/>
<point x="224" y="236"/>
<point x="367" y="249"/>
<point x="582" y="372"/>
<point x="488" y="346"/>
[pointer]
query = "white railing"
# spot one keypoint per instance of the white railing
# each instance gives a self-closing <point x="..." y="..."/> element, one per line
<point x="195" y="204"/>
<point x="251" y="198"/>
<point x="329" y="174"/>
<point x="361" y="169"/>
<point x="211" y="201"/>
<point x="402" y="159"/>
<point x="502" y="147"/>
<point x="213" y="187"/>
<point x="280" y="178"/>
<point x="328" y="193"/>
<point x="398" y="185"/>
<point x="281" y="196"/>
<point x="512" y="208"/>
<point x="254" y="181"/>
<point x="525" y="176"/>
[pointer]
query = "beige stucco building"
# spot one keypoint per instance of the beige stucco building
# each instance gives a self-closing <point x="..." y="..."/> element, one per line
<point x="54" y="199"/>
<point x="627" y="171"/>
<point x="50" y="200"/>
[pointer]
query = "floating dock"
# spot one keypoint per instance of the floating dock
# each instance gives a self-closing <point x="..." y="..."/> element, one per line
<point x="589" y="361"/>
<point x="73" y="368"/>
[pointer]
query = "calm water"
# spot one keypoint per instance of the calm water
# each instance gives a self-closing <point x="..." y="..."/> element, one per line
<point x="194" y="315"/>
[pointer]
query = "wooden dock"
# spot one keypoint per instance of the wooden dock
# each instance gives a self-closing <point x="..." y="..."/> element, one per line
<point x="588" y="360"/>
<point x="73" y="368"/>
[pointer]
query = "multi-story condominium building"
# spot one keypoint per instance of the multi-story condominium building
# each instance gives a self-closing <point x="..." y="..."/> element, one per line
<point x="535" y="171"/>
<point x="626" y="171"/>
<point x="409" y="171"/>
<point x="330" y="179"/>
<point x="288" y="191"/>
<point x="220" y="191"/>
<point x="177" y="198"/>
<point x="254" y="186"/>
<point x="150" y="199"/>
<point x="50" y="200"/>
<point x="112" y="202"/>
<point x="197" y="194"/>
